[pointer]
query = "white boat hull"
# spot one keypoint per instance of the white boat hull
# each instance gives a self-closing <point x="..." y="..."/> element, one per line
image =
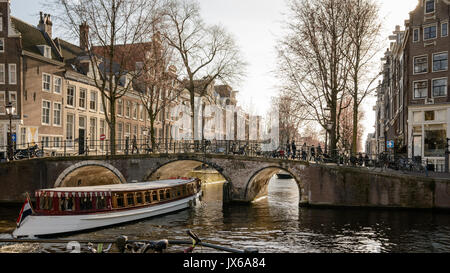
<point x="39" y="225"/>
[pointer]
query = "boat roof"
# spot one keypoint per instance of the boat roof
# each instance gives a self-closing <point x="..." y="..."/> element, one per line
<point x="141" y="186"/>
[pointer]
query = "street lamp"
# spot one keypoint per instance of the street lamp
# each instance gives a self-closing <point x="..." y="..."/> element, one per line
<point x="10" y="111"/>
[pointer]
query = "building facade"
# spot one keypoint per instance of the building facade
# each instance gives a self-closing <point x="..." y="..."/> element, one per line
<point x="413" y="95"/>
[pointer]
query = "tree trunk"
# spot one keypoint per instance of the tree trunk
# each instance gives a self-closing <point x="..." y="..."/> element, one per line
<point x="112" y="127"/>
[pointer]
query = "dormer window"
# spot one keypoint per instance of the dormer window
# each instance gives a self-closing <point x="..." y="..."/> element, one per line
<point x="429" y="6"/>
<point x="46" y="51"/>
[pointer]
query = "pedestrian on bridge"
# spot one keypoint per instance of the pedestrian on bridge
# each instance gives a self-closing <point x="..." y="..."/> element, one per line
<point x="294" y="149"/>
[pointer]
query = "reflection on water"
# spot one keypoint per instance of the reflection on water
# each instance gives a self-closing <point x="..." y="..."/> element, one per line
<point x="277" y="224"/>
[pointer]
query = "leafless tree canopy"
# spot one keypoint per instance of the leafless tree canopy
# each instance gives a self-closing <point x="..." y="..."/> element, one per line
<point x="117" y="29"/>
<point x="207" y="53"/>
<point x="325" y="56"/>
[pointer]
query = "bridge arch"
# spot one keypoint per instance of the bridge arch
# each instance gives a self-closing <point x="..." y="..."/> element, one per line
<point x="181" y="167"/>
<point x="257" y="185"/>
<point x="82" y="164"/>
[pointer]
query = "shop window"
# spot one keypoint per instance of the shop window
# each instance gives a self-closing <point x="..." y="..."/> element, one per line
<point x="435" y="142"/>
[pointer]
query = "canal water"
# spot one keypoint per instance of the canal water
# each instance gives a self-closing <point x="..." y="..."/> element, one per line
<point x="274" y="224"/>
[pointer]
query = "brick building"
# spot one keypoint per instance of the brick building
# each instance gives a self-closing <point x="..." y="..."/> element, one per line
<point x="413" y="96"/>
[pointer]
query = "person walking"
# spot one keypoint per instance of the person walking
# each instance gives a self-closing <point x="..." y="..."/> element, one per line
<point x="294" y="149"/>
<point x="304" y="152"/>
<point x="313" y="153"/>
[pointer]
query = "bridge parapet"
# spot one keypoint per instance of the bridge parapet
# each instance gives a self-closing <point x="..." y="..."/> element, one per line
<point x="248" y="178"/>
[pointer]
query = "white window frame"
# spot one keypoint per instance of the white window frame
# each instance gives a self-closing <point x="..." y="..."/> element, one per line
<point x="49" y="113"/>
<point x="414" y="64"/>
<point x="55" y="79"/>
<point x="12" y="68"/>
<point x="3" y="79"/>
<point x="95" y="101"/>
<point x="1" y="23"/>
<point x="414" y="90"/>
<point x="13" y="102"/>
<point x="446" y="23"/>
<point x="49" y="82"/>
<point x="84" y="100"/>
<point x="432" y="61"/>
<point x="446" y="87"/>
<point x="74" y="102"/>
<point x="54" y="114"/>
<point x="128" y="107"/>
<point x="427" y="26"/>
<point x="418" y="35"/>
<point x="425" y="7"/>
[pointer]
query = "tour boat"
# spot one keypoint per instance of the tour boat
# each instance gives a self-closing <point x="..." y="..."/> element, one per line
<point x="73" y="209"/>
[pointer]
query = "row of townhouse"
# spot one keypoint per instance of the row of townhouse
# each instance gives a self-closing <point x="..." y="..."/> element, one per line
<point x="56" y="102"/>
<point x="413" y="102"/>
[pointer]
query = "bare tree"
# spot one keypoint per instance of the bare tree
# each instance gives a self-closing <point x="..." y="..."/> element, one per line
<point x="111" y="32"/>
<point x="313" y="60"/>
<point x="157" y="83"/>
<point x="364" y="32"/>
<point x="208" y="54"/>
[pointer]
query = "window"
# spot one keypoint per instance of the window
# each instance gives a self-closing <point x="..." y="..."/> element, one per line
<point x="46" y="82"/>
<point x="71" y="95"/>
<point x="416" y="35"/>
<point x="93" y="101"/>
<point x="429" y="32"/>
<point x="47" y="52"/>
<point x="70" y="129"/>
<point x="444" y="29"/>
<point x="82" y="122"/>
<point x="439" y="87"/>
<point x="46" y="112"/>
<point x="120" y="107"/>
<point x="2" y="104"/>
<point x="1" y="23"/>
<point x="2" y="73"/>
<point x="93" y="130"/>
<point x="141" y="112"/>
<point x="119" y="136"/>
<point x="420" y="64"/>
<point x="57" y="81"/>
<point x="420" y="89"/>
<point x="130" y="199"/>
<point x="57" y="114"/>
<point x="82" y="98"/>
<point x="102" y="106"/>
<point x="12" y="73"/>
<point x="429" y="115"/>
<point x="102" y="132"/>
<point x="13" y="98"/>
<point x="45" y="140"/>
<point x="128" y="109"/>
<point x="135" y="111"/>
<point x="440" y="61"/>
<point x="57" y="142"/>
<point x="435" y="142"/>
<point x="429" y="6"/>
<point x="2" y="44"/>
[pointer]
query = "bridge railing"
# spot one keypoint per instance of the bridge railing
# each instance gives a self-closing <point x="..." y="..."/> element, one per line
<point x="127" y="146"/>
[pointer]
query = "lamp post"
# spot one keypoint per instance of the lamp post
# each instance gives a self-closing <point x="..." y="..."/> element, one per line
<point x="10" y="110"/>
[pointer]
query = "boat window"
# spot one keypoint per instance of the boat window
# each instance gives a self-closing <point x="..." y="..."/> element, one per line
<point x="100" y="202"/>
<point x="68" y="203"/>
<point x="130" y="199"/>
<point x="48" y="203"/>
<point x="62" y="203"/>
<point x="184" y="190"/>
<point x="161" y="194"/>
<point x="178" y="191"/>
<point x="139" y="198"/>
<point x="154" y="196"/>
<point x="167" y="194"/>
<point x="147" y="197"/>
<point x="120" y="203"/>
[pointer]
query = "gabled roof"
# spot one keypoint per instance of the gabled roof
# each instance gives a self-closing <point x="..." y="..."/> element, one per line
<point x="32" y="37"/>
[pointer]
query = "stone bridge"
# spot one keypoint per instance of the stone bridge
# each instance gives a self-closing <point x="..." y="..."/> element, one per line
<point x="247" y="178"/>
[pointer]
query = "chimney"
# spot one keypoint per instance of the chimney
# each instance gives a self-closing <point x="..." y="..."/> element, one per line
<point x="45" y="24"/>
<point x="84" y="36"/>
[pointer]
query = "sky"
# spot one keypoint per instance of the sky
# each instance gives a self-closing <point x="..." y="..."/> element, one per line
<point x="256" y="26"/>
